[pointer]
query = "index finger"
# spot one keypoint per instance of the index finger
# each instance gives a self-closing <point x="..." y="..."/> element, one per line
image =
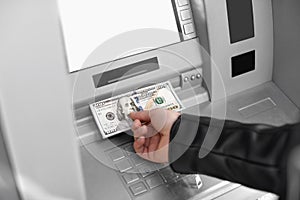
<point x="136" y="124"/>
<point x="138" y="145"/>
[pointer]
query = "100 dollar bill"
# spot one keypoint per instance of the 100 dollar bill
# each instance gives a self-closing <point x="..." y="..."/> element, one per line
<point x="112" y="115"/>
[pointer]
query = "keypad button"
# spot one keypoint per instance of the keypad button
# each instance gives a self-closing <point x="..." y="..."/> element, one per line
<point x="185" y="14"/>
<point x="193" y="180"/>
<point x="169" y="176"/>
<point x="129" y="150"/>
<point x="154" y="181"/>
<point x="137" y="160"/>
<point x="130" y="178"/>
<point x="138" y="188"/>
<point x="182" y="2"/>
<point x="146" y="170"/>
<point x="116" y="155"/>
<point x="123" y="165"/>
<point x="188" y="28"/>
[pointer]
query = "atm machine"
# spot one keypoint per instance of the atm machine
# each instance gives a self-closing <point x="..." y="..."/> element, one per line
<point x="229" y="59"/>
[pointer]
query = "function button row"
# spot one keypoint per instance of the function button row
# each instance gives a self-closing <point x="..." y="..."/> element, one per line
<point x="193" y="77"/>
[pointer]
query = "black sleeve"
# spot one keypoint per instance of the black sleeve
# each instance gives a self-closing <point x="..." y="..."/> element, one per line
<point x="254" y="155"/>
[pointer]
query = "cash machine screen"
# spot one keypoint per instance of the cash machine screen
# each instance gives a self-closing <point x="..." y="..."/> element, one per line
<point x="87" y="24"/>
<point x="240" y="18"/>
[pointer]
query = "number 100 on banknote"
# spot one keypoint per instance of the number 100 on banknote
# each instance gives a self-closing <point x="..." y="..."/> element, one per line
<point x="112" y="115"/>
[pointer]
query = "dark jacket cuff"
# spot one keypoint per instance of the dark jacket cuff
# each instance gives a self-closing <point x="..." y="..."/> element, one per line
<point x="183" y="136"/>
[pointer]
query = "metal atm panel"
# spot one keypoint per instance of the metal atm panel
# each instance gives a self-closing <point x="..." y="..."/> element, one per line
<point x="36" y="43"/>
<point x="251" y="94"/>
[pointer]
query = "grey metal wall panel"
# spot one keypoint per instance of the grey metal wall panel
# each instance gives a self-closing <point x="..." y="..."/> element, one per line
<point x="287" y="47"/>
<point x="221" y="50"/>
<point x="8" y="188"/>
<point x="36" y="102"/>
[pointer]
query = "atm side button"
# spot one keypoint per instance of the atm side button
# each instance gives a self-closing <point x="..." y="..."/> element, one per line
<point x="185" y="14"/>
<point x="138" y="188"/>
<point x="182" y="2"/>
<point x="188" y="28"/>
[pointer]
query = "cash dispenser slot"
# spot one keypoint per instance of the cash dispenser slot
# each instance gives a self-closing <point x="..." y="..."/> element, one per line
<point x="88" y="131"/>
<point x="126" y="72"/>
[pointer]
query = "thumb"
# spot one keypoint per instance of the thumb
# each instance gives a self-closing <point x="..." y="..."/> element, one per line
<point x="142" y="116"/>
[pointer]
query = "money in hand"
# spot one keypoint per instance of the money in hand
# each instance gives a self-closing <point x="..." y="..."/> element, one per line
<point x="112" y="115"/>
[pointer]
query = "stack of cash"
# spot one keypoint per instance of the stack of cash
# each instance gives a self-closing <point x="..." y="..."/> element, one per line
<point x="112" y="115"/>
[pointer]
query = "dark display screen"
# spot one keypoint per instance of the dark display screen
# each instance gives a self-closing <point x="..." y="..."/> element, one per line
<point x="242" y="64"/>
<point x="240" y="18"/>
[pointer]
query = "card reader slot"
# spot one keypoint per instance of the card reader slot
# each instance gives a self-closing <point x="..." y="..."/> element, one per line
<point x="127" y="76"/>
<point x="126" y="72"/>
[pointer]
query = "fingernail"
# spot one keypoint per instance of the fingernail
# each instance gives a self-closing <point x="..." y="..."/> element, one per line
<point x="140" y="138"/>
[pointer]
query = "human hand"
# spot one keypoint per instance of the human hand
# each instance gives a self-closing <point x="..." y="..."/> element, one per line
<point x="152" y="133"/>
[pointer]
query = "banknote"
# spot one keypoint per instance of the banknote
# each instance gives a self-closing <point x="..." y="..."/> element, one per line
<point x="158" y="96"/>
<point x="112" y="115"/>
